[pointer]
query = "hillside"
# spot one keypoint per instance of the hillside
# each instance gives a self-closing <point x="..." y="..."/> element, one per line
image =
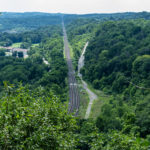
<point x="118" y="56"/>
<point x="20" y="22"/>
<point x="36" y="91"/>
<point x="117" y="62"/>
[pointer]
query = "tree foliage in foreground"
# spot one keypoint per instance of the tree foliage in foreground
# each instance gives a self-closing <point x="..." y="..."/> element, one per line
<point x="91" y="139"/>
<point x="38" y="120"/>
<point x="34" y="120"/>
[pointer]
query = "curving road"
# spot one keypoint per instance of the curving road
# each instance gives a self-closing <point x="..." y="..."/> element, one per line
<point x="92" y="96"/>
<point x="73" y="88"/>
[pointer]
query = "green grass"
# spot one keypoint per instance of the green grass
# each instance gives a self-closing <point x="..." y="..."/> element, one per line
<point x="35" y="45"/>
<point x="64" y="50"/>
<point x="98" y="103"/>
<point x="71" y="52"/>
<point x="16" y="45"/>
<point x="84" y="100"/>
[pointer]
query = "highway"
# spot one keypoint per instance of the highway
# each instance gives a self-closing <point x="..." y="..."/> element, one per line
<point x="74" y="98"/>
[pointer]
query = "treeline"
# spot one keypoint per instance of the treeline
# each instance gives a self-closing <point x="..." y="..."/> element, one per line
<point x="21" y="22"/>
<point x="30" y="37"/>
<point x="69" y="18"/>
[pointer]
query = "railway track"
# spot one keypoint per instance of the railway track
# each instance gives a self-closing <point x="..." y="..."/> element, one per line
<point x="74" y="100"/>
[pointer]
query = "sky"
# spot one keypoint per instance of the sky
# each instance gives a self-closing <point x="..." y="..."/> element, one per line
<point x="75" y="6"/>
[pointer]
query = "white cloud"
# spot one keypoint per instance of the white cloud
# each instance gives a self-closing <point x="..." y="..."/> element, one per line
<point x="75" y="6"/>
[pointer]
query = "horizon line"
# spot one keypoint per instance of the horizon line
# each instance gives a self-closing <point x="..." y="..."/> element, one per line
<point x="75" y="13"/>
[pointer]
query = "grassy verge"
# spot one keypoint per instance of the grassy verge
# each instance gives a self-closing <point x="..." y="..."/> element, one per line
<point x="84" y="100"/>
<point x="64" y="50"/>
<point x="98" y="103"/>
<point x="71" y="52"/>
<point x="16" y="45"/>
<point x="35" y="45"/>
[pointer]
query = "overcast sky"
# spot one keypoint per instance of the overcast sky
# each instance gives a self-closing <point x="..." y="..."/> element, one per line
<point x="75" y="6"/>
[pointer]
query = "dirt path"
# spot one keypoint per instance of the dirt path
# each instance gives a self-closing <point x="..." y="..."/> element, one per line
<point x="92" y="96"/>
<point x="45" y="61"/>
<point x="81" y="60"/>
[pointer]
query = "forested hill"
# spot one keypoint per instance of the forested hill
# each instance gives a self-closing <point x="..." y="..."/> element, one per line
<point x="117" y="62"/>
<point x="20" y="22"/>
<point x="26" y="14"/>
<point x="109" y="16"/>
<point x="81" y="28"/>
<point x="118" y="57"/>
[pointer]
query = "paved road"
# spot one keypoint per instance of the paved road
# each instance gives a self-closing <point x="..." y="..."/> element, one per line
<point x="92" y="96"/>
<point x="73" y="88"/>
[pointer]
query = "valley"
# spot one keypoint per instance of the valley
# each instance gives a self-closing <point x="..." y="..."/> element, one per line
<point x="75" y="81"/>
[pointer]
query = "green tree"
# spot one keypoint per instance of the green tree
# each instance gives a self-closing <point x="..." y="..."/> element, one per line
<point x="14" y="54"/>
<point x="20" y="54"/>
<point x="2" y="52"/>
<point x="34" y="121"/>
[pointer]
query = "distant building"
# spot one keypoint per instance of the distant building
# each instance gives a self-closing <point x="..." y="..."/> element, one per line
<point x="11" y="50"/>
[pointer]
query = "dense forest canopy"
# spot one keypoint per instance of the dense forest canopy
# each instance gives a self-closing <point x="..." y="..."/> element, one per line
<point x="19" y="22"/>
<point x="117" y="56"/>
<point x="30" y="37"/>
<point x="108" y="16"/>
<point x="32" y="70"/>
